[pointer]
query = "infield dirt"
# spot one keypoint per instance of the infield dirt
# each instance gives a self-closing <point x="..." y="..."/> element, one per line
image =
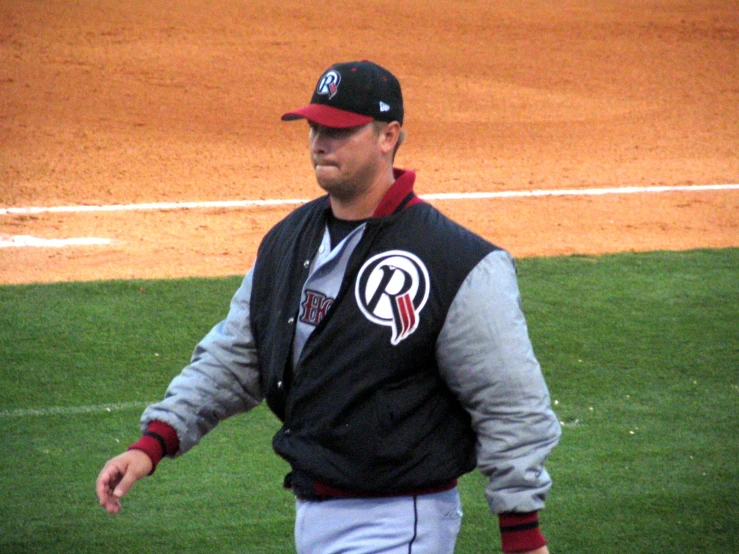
<point x="128" y="102"/>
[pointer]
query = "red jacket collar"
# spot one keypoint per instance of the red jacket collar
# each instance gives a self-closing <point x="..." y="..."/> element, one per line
<point x="397" y="196"/>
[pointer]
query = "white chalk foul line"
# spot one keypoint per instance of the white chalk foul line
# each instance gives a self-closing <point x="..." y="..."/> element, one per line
<point x="72" y="410"/>
<point x="575" y="192"/>
<point x="9" y="241"/>
<point x="282" y="202"/>
<point x="150" y="207"/>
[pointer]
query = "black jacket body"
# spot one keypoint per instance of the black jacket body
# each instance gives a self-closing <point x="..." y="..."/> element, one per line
<point x="360" y="413"/>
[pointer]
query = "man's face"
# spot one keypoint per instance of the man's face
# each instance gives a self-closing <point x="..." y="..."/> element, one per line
<point x="346" y="161"/>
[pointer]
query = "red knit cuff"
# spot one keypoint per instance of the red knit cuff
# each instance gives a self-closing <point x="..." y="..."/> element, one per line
<point x="158" y="441"/>
<point x="520" y="532"/>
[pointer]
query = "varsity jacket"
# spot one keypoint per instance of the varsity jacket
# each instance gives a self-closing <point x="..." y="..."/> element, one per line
<point x="419" y="370"/>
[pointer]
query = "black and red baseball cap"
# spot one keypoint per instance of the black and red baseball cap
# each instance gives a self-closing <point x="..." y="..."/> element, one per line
<point x="352" y="94"/>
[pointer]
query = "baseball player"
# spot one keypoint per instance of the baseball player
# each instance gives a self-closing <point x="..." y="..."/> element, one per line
<point x="388" y="340"/>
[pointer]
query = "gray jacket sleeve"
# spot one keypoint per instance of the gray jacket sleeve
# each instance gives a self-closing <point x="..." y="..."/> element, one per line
<point x="220" y="381"/>
<point x="487" y="360"/>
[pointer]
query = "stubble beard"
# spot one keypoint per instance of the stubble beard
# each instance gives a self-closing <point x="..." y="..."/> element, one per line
<point x="342" y="191"/>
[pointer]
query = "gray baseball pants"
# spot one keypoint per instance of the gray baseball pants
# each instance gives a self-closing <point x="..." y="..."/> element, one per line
<point x="426" y="524"/>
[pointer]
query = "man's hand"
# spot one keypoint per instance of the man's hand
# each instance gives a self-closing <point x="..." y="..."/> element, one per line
<point x="117" y="477"/>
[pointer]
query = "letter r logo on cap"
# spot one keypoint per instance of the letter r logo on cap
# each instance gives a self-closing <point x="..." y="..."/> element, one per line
<point x="329" y="84"/>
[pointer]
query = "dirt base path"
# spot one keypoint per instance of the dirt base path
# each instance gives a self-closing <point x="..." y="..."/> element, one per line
<point x="130" y="102"/>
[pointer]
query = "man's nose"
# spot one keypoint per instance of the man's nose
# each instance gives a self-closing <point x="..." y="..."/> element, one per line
<point x="318" y="143"/>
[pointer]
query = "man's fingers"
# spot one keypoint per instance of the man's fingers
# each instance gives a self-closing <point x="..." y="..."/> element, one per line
<point x="129" y="478"/>
<point x="118" y="476"/>
<point x="112" y="506"/>
<point x="106" y="481"/>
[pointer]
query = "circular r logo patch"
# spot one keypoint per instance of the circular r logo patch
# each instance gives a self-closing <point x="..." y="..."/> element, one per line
<point x="391" y="290"/>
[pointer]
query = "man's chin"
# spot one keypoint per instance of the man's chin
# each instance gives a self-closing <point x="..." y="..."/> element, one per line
<point x="326" y="176"/>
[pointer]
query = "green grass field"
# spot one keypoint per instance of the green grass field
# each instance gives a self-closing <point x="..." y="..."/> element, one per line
<point x="640" y="351"/>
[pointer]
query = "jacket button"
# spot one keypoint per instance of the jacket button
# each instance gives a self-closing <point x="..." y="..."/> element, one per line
<point x="288" y="432"/>
<point x="291" y="321"/>
<point x="279" y="384"/>
<point x="306" y="263"/>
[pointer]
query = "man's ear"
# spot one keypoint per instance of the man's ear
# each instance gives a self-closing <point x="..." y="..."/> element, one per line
<point x="389" y="136"/>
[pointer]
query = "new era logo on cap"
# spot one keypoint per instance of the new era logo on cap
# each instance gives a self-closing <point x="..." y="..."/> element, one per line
<point x="352" y="94"/>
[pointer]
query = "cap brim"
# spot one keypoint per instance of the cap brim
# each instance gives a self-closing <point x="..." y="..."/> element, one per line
<point x="328" y="116"/>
